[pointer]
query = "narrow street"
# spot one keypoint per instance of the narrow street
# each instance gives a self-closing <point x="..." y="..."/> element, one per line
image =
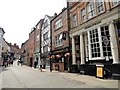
<point x="26" y="77"/>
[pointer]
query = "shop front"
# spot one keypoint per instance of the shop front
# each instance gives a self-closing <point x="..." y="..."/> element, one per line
<point x="99" y="45"/>
<point x="60" y="60"/>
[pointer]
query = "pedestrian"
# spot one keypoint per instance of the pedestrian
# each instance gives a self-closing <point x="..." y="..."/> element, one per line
<point x="41" y="64"/>
<point x="21" y="62"/>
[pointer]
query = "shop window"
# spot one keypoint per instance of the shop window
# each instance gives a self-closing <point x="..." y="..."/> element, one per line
<point x="94" y="43"/>
<point x="106" y="41"/>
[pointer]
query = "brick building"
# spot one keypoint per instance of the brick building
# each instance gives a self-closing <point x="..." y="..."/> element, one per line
<point x="60" y="42"/>
<point x="95" y="33"/>
<point x="31" y="47"/>
<point x="24" y="52"/>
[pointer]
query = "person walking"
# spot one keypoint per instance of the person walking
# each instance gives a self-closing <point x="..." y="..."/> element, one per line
<point x="41" y="65"/>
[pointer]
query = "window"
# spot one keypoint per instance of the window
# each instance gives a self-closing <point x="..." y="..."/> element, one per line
<point x="94" y="43"/>
<point x="100" y="8"/>
<point x="74" y="20"/>
<point x="45" y="49"/>
<point x="83" y="14"/>
<point x="115" y="2"/>
<point x="91" y="9"/>
<point x="58" y="23"/>
<point x="45" y="24"/>
<point x="37" y="38"/>
<point x="106" y="41"/>
<point x="58" y="40"/>
<point x="2" y="48"/>
<point x="45" y="36"/>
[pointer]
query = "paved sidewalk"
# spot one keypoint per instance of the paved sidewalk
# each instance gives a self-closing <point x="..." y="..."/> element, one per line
<point x="105" y="83"/>
<point x="91" y="80"/>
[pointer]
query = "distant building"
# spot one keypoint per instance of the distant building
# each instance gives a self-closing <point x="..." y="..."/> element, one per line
<point x="45" y="40"/>
<point x="37" y="43"/>
<point x="31" y="46"/>
<point x="14" y="51"/>
<point x="24" y="52"/>
<point x="1" y="38"/>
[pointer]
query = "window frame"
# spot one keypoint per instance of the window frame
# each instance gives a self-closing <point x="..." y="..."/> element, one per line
<point x="74" y="20"/>
<point x="58" y="23"/>
<point x="91" y="9"/>
<point x="58" y="42"/>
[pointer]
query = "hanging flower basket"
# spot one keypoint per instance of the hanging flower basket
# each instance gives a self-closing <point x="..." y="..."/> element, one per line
<point x="58" y="56"/>
<point x="53" y="56"/>
<point x="67" y="54"/>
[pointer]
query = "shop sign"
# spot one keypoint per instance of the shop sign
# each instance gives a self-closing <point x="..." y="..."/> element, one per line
<point x="100" y="72"/>
<point x="105" y="40"/>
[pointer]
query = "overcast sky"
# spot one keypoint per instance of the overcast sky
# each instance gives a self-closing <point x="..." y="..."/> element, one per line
<point x="17" y="17"/>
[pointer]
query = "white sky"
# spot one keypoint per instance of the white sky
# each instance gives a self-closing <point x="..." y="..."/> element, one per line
<point x="17" y="17"/>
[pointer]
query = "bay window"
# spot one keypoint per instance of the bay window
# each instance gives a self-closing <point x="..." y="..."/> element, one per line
<point x="99" y="43"/>
<point x="58" y="40"/>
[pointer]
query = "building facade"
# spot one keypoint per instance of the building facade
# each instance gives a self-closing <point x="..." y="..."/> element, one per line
<point x="31" y="47"/>
<point x="60" y="42"/>
<point x="37" y="43"/>
<point x="14" y="51"/>
<point x="1" y="38"/>
<point x="95" y="33"/>
<point x="24" y="52"/>
<point x="45" y="40"/>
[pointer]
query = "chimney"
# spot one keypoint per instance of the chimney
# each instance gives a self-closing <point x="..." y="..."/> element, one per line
<point x="55" y="14"/>
<point x="63" y="9"/>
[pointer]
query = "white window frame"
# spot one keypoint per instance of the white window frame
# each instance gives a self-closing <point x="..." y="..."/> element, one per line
<point x="83" y="15"/>
<point x="74" y="20"/>
<point x="100" y="4"/>
<point x="58" y="23"/>
<point x="115" y="3"/>
<point x="102" y="57"/>
<point x="58" y="41"/>
<point x="91" y="9"/>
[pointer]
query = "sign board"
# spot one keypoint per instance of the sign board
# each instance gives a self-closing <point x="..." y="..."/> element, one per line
<point x="100" y="72"/>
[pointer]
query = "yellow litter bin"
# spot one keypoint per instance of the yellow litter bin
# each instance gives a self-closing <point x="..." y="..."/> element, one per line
<point x="100" y="71"/>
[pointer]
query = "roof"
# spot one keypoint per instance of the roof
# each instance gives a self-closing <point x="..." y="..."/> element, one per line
<point x="60" y="13"/>
<point x="2" y="30"/>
